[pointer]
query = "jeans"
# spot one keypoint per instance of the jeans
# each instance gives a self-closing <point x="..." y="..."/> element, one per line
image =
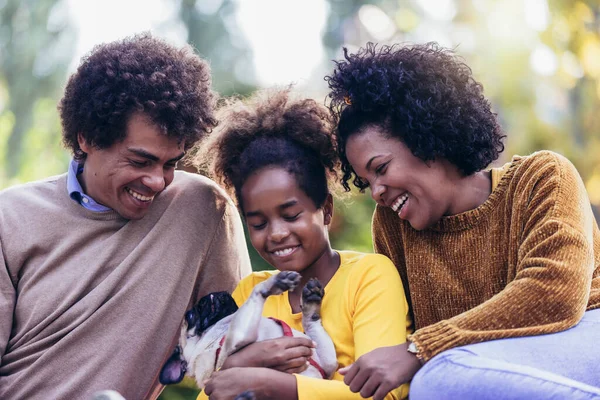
<point x="562" y="365"/>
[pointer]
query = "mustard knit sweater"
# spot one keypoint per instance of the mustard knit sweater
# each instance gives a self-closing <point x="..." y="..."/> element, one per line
<point x="525" y="262"/>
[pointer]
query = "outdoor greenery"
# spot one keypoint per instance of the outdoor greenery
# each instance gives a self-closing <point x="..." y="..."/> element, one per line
<point x="539" y="62"/>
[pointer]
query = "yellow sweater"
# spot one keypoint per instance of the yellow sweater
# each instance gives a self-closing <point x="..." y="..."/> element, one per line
<point x="525" y="262"/>
<point x="364" y="308"/>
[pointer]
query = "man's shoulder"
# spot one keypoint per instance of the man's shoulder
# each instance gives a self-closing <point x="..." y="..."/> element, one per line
<point x="198" y="192"/>
<point x="27" y="191"/>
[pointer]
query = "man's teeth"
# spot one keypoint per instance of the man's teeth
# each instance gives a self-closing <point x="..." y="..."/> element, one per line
<point x="139" y="196"/>
<point x="284" y="252"/>
<point x="399" y="202"/>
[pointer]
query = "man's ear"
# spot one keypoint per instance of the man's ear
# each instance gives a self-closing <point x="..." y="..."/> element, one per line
<point x="328" y="209"/>
<point x="83" y="144"/>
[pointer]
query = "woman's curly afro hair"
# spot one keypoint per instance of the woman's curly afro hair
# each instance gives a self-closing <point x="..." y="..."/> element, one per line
<point x="423" y="95"/>
<point x="271" y="129"/>
<point x="172" y="86"/>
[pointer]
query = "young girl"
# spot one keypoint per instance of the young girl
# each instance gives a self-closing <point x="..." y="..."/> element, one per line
<point x="275" y="155"/>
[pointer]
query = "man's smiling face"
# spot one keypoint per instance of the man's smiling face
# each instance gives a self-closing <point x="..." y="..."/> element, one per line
<point x="128" y="175"/>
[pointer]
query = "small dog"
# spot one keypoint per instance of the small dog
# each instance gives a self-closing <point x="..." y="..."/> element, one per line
<point x="216" y="328"/>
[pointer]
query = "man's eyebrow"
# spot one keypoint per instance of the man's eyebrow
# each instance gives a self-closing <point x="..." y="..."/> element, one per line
<point x="370" y="161"/>
<point x="152" y="157"/>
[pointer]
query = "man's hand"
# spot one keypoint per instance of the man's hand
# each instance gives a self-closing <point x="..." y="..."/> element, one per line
<point x="285" y="354"/>
<point x="380" y="371"/>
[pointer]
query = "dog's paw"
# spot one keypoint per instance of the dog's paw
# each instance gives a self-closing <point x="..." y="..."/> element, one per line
<point x="312" y="296"/>
<point x="284" y="280"/>
<point x="247" y="395"/>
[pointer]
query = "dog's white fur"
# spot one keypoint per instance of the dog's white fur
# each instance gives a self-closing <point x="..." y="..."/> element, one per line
<point x="247" y="325"/>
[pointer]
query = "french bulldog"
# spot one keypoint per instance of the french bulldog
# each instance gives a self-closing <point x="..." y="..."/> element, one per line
<point x="215" y="328"/>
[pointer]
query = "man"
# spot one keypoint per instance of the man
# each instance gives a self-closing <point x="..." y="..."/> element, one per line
<point x="97" y="266"/>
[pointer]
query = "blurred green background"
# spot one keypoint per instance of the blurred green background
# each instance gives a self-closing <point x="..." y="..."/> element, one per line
<point x="539" y="62"/>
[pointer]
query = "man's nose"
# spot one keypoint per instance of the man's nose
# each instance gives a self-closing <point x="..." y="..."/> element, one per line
<point x="155" y="180"/>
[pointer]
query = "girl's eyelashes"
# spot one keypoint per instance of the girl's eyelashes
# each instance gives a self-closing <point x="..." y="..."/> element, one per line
<point x="258" y="226"/>
<point x="288" y="218"/>
<point x="292" y="217"/>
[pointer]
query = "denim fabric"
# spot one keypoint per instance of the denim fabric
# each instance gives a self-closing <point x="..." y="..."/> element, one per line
<point x="563" y="365"/>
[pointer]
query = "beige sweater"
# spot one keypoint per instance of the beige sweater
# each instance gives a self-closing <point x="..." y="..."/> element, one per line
<point x="90" y="301"/>
<point x="525" y="262"/>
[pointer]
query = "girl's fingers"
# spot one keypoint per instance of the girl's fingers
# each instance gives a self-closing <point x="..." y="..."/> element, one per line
<point x="298" y="369"/>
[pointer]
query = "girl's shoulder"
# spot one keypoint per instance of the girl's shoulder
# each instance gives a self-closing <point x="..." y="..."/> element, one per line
<point x="245" y="286"/>
<point x="360" y="264"/>
<point x="359" y="259"/>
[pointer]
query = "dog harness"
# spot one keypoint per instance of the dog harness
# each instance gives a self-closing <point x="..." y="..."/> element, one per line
<point x="287" y="331"/>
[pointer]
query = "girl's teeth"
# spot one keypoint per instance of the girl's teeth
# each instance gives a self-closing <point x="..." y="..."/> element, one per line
<point x="284" y="252"/>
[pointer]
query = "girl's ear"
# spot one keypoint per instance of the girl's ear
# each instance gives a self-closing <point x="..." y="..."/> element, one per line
<point x="328" y="209"/>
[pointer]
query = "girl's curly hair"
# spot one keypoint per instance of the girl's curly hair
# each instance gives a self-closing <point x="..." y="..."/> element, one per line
<point x="271" y="128"/>
<point x="423" y="95"/>
<point x="144" y="74"/>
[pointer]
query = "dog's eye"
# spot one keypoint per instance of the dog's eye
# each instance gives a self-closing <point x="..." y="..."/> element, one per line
<point x="189" y="318"/>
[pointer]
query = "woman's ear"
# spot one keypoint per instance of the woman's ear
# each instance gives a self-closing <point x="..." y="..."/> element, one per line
<point x="328" y="209"/>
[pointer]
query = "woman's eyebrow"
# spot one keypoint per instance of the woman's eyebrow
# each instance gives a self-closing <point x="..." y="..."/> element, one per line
<point x="368" y="166"/>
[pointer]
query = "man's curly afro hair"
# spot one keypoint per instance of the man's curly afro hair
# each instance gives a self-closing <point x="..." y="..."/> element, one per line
<point x="423" y="95"/>
<point x="272" y="129"/>
<point x="172" y="86"/>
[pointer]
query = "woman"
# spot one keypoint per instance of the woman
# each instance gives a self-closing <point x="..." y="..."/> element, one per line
<point x="501" y="267"/>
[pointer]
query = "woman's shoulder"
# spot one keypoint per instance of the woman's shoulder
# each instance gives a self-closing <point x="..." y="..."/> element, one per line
<point x="542" y="169"/>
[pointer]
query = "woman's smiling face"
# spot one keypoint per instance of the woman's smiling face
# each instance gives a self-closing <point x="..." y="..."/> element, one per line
<point x="285" y="226"/>
<point x="417" y="191"/>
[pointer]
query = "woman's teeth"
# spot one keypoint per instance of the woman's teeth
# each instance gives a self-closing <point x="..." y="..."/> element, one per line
<point x="399" y="203"/>
<point x="139" y="196"/>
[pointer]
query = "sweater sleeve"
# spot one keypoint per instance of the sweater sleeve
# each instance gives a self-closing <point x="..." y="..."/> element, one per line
<point x="378" y="309"/>
<point x="227" y="255"/>
<point x="553" y="271"/>
<point x="7" y="304"/>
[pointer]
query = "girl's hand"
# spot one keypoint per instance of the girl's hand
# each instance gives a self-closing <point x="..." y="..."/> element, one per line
<point x="380" y="371"/>
<point x="266" y="384"/>
<point x="285" y="354"/>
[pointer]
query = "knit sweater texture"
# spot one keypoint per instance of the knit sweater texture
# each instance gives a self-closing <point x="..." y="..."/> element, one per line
<point x="91" y="301"/>
<point x="525" y="262"/>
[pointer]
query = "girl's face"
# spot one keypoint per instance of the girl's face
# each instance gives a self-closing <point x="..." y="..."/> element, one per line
<point x="285" y="226"/>
<point x="418" y="192"/>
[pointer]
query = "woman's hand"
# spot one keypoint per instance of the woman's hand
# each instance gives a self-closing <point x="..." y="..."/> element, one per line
<point x="381" y="371"/>
<point x="266" y="384"/>
<point x="285" y="354"/>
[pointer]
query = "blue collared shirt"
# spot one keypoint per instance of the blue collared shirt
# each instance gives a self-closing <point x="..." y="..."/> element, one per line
<point x="76" y="191"/>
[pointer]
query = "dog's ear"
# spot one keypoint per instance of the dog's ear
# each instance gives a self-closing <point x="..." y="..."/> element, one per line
<point x="174" y="369"/>
<point x="212" y="308"/>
